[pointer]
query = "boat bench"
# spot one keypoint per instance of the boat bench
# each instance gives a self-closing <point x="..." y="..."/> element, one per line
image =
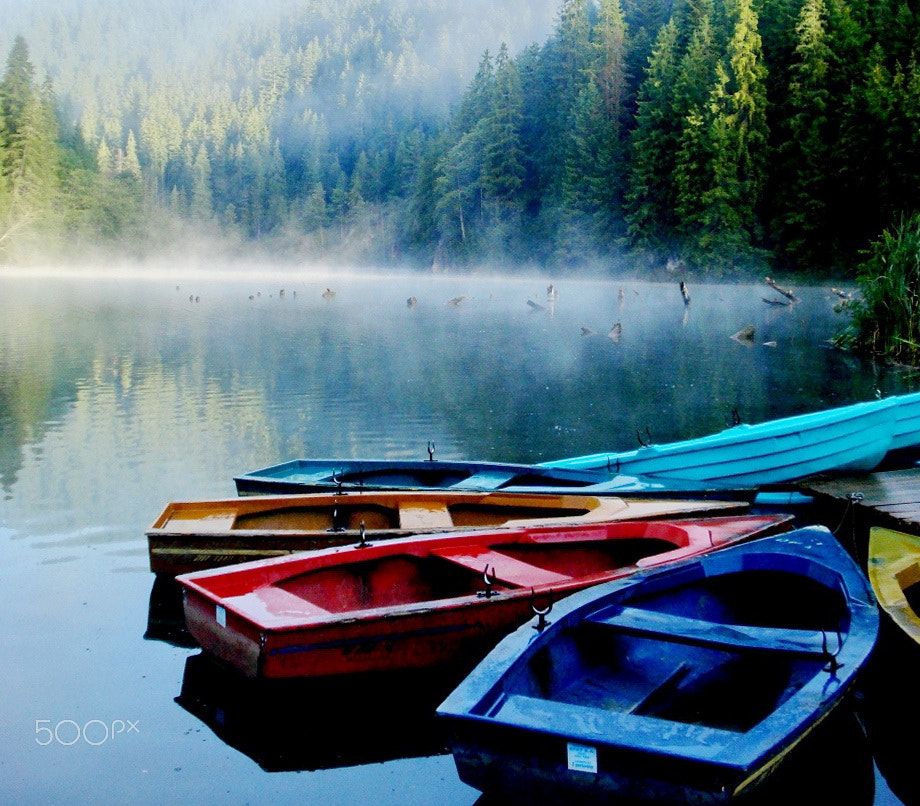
<point x="486" y="480"/>
<point x="503" y="567"/>
<point x="312" y="477"/>
<point x="425" y="516"/>
<point x="276" y="602"/>
<point x="716" y="634"/>
<point x="604" y="727"/>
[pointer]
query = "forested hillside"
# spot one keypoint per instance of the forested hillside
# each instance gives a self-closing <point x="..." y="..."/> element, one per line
<point x="716" y="133"/>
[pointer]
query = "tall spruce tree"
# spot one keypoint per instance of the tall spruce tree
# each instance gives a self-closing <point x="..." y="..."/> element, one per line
<point x="503" y="168"/>
<point x="748" y="130"/>
<point x="802" y="224"/>
<point x="649" y="199"/>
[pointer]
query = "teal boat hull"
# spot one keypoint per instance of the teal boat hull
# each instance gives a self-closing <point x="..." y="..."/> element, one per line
<point x="848" y="438"/>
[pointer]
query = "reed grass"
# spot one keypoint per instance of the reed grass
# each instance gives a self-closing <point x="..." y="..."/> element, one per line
<point x="885" y="319"/>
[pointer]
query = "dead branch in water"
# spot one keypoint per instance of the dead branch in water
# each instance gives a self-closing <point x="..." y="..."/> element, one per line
<point x="784" y="291"/>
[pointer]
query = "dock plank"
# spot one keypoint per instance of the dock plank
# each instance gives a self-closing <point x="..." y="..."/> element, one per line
<point x="891" y="496"/>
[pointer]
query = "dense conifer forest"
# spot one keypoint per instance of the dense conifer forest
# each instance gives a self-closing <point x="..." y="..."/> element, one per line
<point x="718" y="135"/>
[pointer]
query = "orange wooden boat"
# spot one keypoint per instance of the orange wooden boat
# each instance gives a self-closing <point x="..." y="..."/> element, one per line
<point x="423" y="601"/>
<point x="193" y="535"/>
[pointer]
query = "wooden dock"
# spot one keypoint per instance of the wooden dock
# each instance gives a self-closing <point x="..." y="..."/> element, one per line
<point x="853" y="504"/>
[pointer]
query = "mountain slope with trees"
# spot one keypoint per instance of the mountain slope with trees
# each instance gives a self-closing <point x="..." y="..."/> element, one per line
<point x="716" y="133"/>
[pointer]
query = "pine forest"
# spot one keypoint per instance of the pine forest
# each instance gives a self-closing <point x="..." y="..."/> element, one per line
<point x="720" y="135"/>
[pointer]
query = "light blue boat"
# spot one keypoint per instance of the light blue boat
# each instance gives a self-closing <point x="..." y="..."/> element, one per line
<point x="907" y="422"/>
<point x="847" y="438"/>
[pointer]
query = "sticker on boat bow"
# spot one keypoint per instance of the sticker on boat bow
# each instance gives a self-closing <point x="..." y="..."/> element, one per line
<point x="220" y="613"/>
<point x="582" y="758"/>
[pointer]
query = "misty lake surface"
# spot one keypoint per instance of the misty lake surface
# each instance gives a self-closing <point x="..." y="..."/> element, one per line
<point x="119" y="394"/>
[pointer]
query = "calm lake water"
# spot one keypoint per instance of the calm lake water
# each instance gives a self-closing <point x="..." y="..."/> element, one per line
<point x="118" y="395"/>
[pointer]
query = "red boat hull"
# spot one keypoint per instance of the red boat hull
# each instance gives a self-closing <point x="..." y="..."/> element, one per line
<point x="422" y="602"/>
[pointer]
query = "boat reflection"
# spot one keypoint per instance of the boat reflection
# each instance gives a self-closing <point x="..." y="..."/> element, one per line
<point x="165" y="617"/>
<point x="292" y="725"/>
<point x="891" y="709"/>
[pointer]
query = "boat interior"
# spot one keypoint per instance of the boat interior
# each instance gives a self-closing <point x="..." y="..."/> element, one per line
<point x="445" y="572"/>
<point x="417" y="514"/>
<point x="723" y="653"/>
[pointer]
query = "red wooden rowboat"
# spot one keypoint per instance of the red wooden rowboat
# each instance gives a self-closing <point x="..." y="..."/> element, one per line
<point x="423" y="601"/>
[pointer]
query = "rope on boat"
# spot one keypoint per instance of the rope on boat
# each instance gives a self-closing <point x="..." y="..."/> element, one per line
<point x="850" y="510"/>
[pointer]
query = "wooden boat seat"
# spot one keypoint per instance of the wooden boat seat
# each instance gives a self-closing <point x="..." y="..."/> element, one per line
<point x="313" y="477"/>
<point x="425" y="516"/>
<point x="278" y="602"/>
<point x="708" y="633"/>
<point x="598" y="724"/>
<point x="503" y="567"/>
<point x="484" y="480"/>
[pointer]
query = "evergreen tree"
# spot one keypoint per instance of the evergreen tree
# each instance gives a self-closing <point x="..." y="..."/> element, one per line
<point x="16" y="86"/>
<point x="132" y="164"/>
<point x="34" y="163"/>
<point x="710" y="223"/>
<point x="650" y="197"/>
<point x="502" y="158"/>
<point x="202" y="202"/>
<point x="748" y="132"/>
<point x="802" y="220"/>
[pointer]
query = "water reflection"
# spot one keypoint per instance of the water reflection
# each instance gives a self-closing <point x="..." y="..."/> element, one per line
<point x="165" y="616"/>
<point x="892" y="710"/>
<point x="298" y="725"/>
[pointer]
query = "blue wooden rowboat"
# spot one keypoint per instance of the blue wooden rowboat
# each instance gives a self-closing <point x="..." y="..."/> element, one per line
<point x="846" y="438"/>
<point x="686" y="684"/>
<point x="331" y="475"/>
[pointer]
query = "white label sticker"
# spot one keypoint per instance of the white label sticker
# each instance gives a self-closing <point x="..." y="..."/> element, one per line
<point x="220" y="613"/>
<point x="582" y="758"/>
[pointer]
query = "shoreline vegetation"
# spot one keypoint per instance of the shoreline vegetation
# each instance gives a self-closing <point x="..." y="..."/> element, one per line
<point x="707" y="141"/>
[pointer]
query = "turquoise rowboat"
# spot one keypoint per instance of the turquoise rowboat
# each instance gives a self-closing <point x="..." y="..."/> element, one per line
<point x="907" y="422"/>
<point x="848" y="438"/>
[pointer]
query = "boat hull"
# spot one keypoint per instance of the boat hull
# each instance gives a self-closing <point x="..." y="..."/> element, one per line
<point x="423" y="602"/>
<point x="655" y="688"/>
<point x="849" y="438"/>
<point x="907" y="422"/>
<point x="194" y="535"/>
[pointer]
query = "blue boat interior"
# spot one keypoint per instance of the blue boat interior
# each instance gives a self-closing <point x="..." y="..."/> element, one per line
<point x="721" y="653"/>
<point x="415" y="475"/>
